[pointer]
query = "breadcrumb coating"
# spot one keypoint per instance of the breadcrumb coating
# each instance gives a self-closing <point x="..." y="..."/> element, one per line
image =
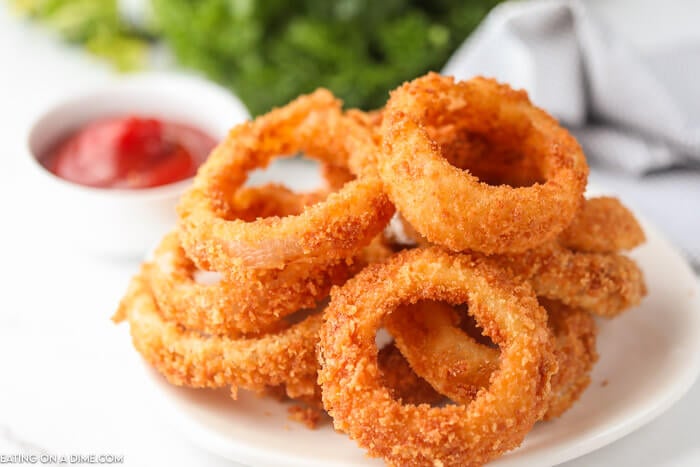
<point x="403" y="434"/>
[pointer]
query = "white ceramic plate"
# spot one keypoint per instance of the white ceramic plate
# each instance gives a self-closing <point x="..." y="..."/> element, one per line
<point x="649" y="358"/>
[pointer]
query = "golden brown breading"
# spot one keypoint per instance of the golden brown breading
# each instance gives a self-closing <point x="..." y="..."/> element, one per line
<point x="603" y="225"/>
<point x="188" y="358"/>
<point x="451" y="207"/>
<point x="429" y="332"/>
<point x="495" y="422"/>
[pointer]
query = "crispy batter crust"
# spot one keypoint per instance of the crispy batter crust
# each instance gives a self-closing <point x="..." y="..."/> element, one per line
<point x="600" y="283"/>
<point x="428" y="335"/>
<point x="575" y="335"/>
<point x="429" y="332"/>
<point x="605" y="284"/>
<point x="603" y="225"/>
<point x="188" y="358"/>
<point x="253" y="302"/>
<point x="451" y="207"/>
<point x="335" y="176"/>
<point x="329" y="230"/>
<point x="403" y="383"/>
<point x="495" y="422"/>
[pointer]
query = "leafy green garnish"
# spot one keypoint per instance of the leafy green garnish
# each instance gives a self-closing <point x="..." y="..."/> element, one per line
<point x="95" y="23"/>
<point x="270" y="51"/>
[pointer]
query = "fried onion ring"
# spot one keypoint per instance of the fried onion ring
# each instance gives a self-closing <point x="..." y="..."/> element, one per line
<point x="575" y="334"/>
<point x="605" y="284"/>
<point x="188" y="358"/>
<point x="335" y="176"/>
<point x="603" y="225"/>
<point x="451" y="207"/>
<point x="428" y="335"/>
<point x="498" y="418"/>
<point x="330" y="230"/>
<point x="428" y="332"/>
<point x="254" y="302"/>
<point x="402" y="381"/>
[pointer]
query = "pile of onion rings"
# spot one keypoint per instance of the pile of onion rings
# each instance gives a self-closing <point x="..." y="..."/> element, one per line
<point x="453" y="219"/>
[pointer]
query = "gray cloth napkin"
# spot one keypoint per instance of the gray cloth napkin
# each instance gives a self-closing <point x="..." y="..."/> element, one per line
<point x="625" y="109"/>
<point x="632" y="114"/>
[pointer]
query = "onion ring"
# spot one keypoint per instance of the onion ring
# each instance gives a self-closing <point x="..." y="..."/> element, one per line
<point x="330" y="230"/>
<point x="575" y="334"/>
<point x="253" y="303"/>
<point x="603" y="225"/>
<point x="495" y="422"/>
<point x="377" y="251"/>
<point x="188" y="358"/>
<point x="449" y="206"/>
<point x="335" y="176"/>
<point x="428" y="332"/>
<point x="338" y="175"/>
<point x="605" y="284"/>
<point x="405" y="385"/>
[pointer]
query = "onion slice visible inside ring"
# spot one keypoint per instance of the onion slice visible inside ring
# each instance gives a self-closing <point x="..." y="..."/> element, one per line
<point x="250" y="302"/>
<point x="498" y="418"/>
<point x="428" y="332"/>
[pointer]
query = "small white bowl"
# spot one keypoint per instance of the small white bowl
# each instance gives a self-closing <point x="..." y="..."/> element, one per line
<point x="121" y="222"/>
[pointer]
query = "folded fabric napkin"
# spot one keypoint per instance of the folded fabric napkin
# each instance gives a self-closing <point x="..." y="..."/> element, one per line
<point x="632" y="114"/>
<point x="626" y="111"/>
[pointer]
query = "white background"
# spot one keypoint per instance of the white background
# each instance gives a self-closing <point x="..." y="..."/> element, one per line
<point x="69" y="381"/>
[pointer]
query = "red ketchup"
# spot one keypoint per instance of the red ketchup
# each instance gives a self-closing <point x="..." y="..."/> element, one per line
<point x="130" y="152"/>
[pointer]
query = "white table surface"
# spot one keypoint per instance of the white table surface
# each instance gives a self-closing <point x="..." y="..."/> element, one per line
<point x="70" y="382"/>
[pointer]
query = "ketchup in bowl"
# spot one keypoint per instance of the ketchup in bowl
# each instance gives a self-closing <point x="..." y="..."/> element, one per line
<point x="130" y="152"/>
